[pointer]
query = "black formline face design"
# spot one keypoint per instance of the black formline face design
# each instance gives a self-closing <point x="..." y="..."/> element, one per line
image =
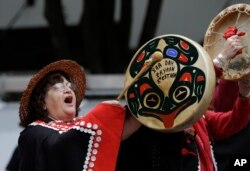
<point x="170" y="85"/>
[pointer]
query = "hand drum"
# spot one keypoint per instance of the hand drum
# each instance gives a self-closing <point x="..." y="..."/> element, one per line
<point x="233" y="20"/>
<point x="176" y="85"/>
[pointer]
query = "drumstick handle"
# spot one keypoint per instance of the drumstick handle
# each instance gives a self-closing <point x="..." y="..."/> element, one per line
<point x="156" y="56"/>
<point x="126" y="87"/>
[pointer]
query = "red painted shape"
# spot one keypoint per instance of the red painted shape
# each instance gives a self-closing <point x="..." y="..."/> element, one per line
<point x="183" y="58"/>
<point x="186" y="77"/>
<point x="140" y="57"/>
<point x="184" y="45"/>
<point x="144" y="87"/>
<point x="200" y="78"/>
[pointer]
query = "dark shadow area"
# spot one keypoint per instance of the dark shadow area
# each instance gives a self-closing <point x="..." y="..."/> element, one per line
<point x="98" y="42"/>
<point x="31" y="48"/>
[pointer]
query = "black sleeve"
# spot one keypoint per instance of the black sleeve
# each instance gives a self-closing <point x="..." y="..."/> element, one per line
<point x="13" y="164"/>
<point x="33" y="153"/>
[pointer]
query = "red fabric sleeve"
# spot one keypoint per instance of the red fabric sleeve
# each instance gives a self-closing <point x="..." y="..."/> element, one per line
<point x="224" y="95"/>
<point x="203" y="144"/>
<point x="110" y="118"/>
<point x="224" y="124"/>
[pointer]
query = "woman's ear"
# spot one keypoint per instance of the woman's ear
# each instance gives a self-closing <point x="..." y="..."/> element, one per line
<point x="44" y="106"/>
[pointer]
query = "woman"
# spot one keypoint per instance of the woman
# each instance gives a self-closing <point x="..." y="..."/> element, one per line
<point x="54" y="138"/>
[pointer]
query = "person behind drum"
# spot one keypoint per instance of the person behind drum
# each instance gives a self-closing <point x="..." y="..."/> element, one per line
<point x="238" y="144"/>
<point x="191" y="149"/>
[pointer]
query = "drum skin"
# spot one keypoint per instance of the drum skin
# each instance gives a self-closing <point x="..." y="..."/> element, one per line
<point x="237" y="15"/>
<point x="175" y="91"/>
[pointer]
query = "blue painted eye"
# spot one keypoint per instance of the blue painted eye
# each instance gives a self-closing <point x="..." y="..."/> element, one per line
<point x="171" y="52"/>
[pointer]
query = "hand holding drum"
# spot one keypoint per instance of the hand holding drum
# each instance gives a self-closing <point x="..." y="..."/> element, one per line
<point x="227" y="41"/>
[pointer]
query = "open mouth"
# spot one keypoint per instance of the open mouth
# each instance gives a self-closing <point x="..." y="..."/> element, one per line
<point x="68" y="99"/>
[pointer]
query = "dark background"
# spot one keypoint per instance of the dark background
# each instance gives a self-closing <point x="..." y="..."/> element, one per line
<point x="98" y="42"/>
<point x="31" y="48"/>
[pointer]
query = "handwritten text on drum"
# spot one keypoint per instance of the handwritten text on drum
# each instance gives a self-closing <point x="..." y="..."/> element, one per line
<point x="164" y="70"/>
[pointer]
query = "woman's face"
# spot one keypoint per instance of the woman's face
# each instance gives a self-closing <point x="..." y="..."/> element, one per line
<point x="60" y="101"/>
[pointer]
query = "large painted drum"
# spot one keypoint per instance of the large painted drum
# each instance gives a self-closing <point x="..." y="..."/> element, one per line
<point x="175" y="83"/>
<point x="233" y="20"/>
